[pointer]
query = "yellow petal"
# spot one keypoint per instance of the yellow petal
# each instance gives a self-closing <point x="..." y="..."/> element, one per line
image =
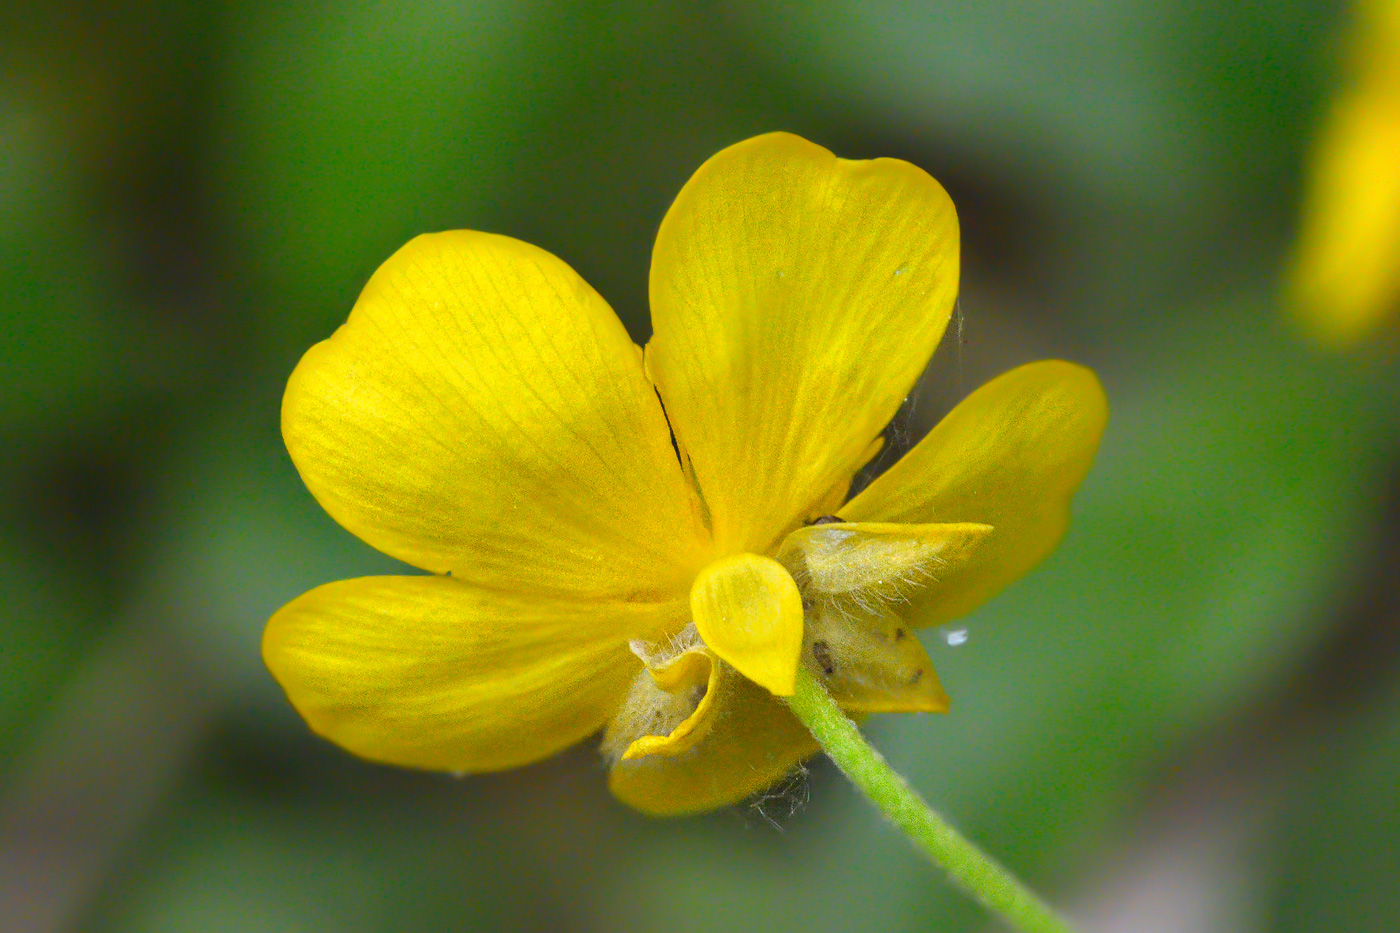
<point x="870" y="662"/>
<point x="1345" y="280"/>
<point x="751" y="742"/>
<point x="873" y="563"/>
<point x="430" y="672"/>
<point x="795" y="299"/>
<point x="837" y="494"/>
<point x="748" y="611"/>
<point x="1011" y="455"/>
<point x="483" y="412"/>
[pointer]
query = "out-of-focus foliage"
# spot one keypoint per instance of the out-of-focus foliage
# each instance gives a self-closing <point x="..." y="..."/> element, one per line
<point x="1337" y="841"/>
<point x="190" y="195"/>
<point x="345" y="129"/>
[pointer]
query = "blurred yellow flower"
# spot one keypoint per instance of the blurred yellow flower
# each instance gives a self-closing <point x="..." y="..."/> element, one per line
<point x="650" y="542"/>
<point x="1345" y="280"/>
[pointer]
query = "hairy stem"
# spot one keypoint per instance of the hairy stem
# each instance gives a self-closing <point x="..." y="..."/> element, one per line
<point x="967" y="865"/>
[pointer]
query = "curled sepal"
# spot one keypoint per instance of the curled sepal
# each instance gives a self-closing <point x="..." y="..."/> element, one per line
<point x="669" y="708"/>
<point x="870" y="662"/>
<point x="683" y="752"/>
<point x="749" y="612"/>
<point x="866" y="565"/>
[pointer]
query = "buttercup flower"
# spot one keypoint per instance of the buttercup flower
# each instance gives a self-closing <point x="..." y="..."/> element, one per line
<point x="649" y="543"/>
<point x="1345" y="280"/>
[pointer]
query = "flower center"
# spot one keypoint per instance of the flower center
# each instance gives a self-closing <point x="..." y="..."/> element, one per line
<point x="839" y="597"/>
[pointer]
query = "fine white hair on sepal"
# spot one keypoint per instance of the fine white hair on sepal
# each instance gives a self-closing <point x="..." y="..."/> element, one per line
<point x="895" y="589"/>
<point x="655" y="654"/>
<point x="839" y="568"/>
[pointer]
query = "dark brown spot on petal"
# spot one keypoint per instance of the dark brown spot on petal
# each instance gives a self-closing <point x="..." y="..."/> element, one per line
<point x="822" y="652"/>
<point x="918" y="676"/>
<point x="899" y="634"/>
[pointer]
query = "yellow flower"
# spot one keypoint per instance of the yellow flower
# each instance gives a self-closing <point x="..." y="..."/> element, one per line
<point x="1345" y="280"/>
<point x="647" y="542"/>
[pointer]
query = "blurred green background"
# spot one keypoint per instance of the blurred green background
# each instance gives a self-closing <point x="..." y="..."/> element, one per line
<point x="1188" y="719"/>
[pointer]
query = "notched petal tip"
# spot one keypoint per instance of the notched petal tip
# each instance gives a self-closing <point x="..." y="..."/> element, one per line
<point x="795" y="299"/>
<point x="477" y="378"/>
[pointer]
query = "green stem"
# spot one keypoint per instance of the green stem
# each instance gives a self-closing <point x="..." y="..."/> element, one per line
<point x="968" y="865"/>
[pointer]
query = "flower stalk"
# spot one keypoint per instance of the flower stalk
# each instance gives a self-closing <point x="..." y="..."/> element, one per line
<point x="969" y="867"/>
